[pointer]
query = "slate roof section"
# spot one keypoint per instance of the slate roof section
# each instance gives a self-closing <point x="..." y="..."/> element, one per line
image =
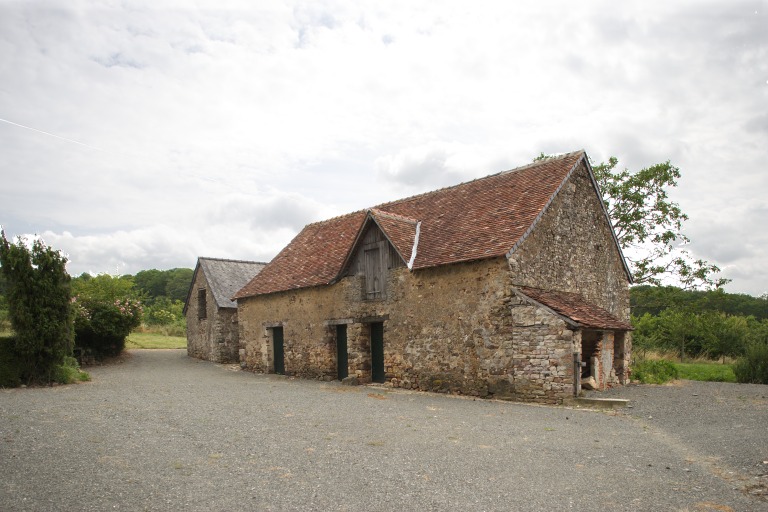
<point x="574" y="307"/>
<point x="485" y="218"/>
<point x="225" y="278"/>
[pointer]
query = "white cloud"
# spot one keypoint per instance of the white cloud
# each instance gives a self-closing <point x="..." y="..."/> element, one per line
<point x="224" y="127"/>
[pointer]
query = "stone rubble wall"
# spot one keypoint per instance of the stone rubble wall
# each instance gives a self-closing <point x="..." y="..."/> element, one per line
<point x="449" y="330"/>
<point x="573" y="250"/>
<point x="216" y="337"/>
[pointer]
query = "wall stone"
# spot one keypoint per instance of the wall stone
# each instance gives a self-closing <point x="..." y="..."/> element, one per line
<point x="216" y="337"/>
<point x="572" y="250"/>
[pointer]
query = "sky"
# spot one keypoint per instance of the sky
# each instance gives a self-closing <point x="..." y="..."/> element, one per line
<point x="139" y="135"/>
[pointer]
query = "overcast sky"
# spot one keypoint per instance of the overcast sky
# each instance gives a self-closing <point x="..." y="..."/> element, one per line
<point x="137" y="135"/>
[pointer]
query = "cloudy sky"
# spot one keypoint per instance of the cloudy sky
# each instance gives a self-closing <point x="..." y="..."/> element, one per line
<point x="137" y="135"/>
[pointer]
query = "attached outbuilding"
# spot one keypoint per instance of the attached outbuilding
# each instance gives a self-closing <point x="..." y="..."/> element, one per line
<point x="212" y="330"/>
<point x="510" y="286"/>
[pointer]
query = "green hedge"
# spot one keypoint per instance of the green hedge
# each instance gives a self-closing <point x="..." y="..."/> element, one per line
<point x="10" y="367"/>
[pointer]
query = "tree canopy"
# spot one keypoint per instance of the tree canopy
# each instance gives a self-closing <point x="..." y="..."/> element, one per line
<point x="649" y="225"/>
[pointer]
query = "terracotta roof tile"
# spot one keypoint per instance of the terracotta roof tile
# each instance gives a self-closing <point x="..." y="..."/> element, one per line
<point x="573" y="306"/>
<point x="479" y="219"/>
<point x="400" y="230"/>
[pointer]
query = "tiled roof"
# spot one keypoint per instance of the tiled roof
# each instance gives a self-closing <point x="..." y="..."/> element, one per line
<point x="573" y="306"/>
<point x="479" y="219"/>
<point x="225" y="277"/>
<point x="400" y="230"/>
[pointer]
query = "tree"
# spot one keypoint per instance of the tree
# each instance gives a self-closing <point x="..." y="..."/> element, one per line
<point x="38" y="289"/>
<point x="649" y="225"/>
<point x="151" y="282"/>
<point x="179" y="280"/>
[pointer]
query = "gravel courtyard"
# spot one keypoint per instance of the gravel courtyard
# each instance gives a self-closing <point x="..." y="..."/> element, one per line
<point x="161" y="431"/>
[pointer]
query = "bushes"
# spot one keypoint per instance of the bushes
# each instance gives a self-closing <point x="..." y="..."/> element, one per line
<point x="10" y="368"/>
<point x="38" y="289"/>
<point x="655" y="372"/>
<point x="102" y="326"/>
<point x="753" y="366"/>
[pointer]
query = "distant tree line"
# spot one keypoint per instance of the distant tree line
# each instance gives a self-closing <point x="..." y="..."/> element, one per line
<point x="161" y="294"/>
<point x="711" y="324"/>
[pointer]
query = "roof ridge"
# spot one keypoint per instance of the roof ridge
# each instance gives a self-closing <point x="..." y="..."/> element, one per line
<point x="231" y="260"/>
<point x="380" y="206"/>
<point x="337" y="217"/>
<point x="397" y="216"/>
<point x="463" y="183"/>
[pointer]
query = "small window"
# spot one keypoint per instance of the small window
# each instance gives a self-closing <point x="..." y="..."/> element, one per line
<point x="202" y="305"/>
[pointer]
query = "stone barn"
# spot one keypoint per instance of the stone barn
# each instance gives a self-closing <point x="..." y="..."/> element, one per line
<point x="212" y="331"/>
<point x="511" y="286"/>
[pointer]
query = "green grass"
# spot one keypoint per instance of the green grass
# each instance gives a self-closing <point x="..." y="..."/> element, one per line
<point x="710" y="372"/>
<point x="154" y="340"/>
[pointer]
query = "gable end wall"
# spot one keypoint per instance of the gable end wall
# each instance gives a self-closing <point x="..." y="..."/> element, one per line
<point x="572" y="250"/>
<point x="214" y="338"/>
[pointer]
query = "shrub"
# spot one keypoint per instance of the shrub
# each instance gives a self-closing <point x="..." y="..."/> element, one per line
<point x="38" y="306"/>
<point x="753" y="366"/>
<point x="10" y="369"/>
<point x="101" y="326"/>
<point x="655" y="372"/>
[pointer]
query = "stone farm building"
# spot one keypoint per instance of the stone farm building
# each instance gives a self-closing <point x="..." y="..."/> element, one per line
<point x="499" y="287"/>
<point x="212" y="331"/>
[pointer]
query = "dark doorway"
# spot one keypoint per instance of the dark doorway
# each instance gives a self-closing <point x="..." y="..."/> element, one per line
<point x="342" y="362"/>
<point x="278" y="350"/>
<point x="377" y="352"/>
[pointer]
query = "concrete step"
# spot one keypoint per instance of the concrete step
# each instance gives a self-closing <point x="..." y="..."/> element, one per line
<point x="597" y="403"/>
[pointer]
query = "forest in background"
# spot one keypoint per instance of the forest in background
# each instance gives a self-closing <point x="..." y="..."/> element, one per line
<point x="697" y="324"/>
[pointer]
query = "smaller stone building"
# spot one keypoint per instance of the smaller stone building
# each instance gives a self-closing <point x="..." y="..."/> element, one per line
<point x="212" y="331"/>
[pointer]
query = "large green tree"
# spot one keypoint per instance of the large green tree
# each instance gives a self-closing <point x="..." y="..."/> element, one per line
<point x="649" y="225"/>
<point x="39" y="307"/>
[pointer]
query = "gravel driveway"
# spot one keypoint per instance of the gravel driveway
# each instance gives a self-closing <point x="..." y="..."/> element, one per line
<point x="161" y="431"/>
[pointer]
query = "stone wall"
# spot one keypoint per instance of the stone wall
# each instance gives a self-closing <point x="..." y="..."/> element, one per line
<point x="449" y="329"/>
<point x="215" y="337"/>
<point x="572" y="250"/>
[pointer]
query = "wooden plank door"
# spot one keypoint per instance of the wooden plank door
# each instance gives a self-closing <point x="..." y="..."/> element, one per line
<point x="278" y="350"/>
<point x="342" y="360"/>
<point x="377" y="352"/>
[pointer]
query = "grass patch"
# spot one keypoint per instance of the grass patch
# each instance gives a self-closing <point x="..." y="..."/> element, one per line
<point x="69" y="372"/>
<point x="154" y="340"/>
<point x="655" y="372"/>
<point x="708" y="372"/>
